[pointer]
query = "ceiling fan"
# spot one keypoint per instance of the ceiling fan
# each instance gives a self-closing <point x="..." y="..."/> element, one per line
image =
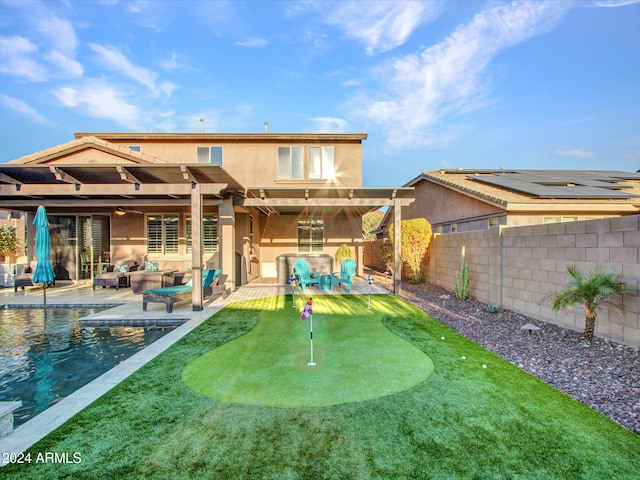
<point x="123" y="211"/>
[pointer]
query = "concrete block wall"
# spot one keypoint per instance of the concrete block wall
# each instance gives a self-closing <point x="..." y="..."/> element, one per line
<point x="521" y="268"/>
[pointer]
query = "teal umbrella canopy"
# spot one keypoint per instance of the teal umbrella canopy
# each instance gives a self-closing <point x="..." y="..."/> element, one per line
<point x="43" y="272"/>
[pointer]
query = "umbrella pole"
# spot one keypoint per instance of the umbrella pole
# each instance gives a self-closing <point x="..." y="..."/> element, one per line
<point x="44" y="292"/>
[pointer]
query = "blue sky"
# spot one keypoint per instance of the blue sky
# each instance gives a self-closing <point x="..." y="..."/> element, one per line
<point x="435" y="84"/>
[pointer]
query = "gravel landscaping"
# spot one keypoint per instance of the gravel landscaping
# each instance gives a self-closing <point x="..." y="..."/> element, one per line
<point x="604" y="376"/>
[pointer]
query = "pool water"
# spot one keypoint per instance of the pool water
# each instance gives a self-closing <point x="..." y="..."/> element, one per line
<point x="41" y="362"/>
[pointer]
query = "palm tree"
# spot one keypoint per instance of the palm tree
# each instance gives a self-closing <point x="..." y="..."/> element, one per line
<point x="590" y="291"/>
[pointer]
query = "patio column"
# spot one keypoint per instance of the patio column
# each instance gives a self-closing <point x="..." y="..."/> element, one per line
<point x="196" y="248"/>
<point x="227" y="224"/>
<point x="397" y="259"/>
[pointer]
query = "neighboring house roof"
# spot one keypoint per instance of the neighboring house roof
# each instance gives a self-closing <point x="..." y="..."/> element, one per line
<point x="511" y="188"/>
<point x="525" y="190"/>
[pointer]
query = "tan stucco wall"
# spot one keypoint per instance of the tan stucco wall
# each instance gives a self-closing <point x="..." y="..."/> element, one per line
<point x="280" y="236"/>
<point x="128" y="236"/>
<point x="255" y="164"/>
<point x="520" y="268"/>
<point x="439" y="204"/>
<point x="91" y="156"/>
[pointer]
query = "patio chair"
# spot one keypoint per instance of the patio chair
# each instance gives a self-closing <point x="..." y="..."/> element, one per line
<point x="180" y="293"/>
<point x="345" y="275"/>
<point x="24" y="279"/>
<point x="303" y="275"/>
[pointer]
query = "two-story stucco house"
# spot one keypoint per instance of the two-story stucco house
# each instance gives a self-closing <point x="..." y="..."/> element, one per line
<point x="256" y="201"/>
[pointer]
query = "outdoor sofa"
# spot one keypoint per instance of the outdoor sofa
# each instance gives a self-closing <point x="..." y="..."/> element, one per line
<point x="115" y="275"/>
<point x="156" y="274"/>
<point x="180" y="293"/>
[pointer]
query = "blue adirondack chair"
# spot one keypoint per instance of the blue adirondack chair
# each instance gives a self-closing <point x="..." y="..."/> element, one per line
<point x="303" y="274"/>
<point x="345" y="275"/>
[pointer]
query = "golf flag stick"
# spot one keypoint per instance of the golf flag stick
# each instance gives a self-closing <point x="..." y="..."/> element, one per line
<point x="308" y="312"/>
<point x="369" y="281"/>
<point x="292" y="282"/>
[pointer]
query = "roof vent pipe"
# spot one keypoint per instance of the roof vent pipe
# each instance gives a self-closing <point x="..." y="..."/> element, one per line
<point x="266" y="127"/>
<point x="202" y="125"/>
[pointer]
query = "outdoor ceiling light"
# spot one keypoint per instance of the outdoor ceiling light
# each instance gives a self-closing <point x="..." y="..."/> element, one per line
<point x="120" y="211"/>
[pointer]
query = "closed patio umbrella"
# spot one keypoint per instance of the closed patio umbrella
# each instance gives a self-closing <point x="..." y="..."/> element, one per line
<point x="43" y="272"/>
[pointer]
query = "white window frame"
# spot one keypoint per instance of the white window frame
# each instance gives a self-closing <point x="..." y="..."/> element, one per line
<point x="210" y="233"/>
<point x="168" y="243"/>
<point x="321" y="162"/>
<point x="306" y="242"/>
<point x="290" y="162"/>
<point x="211" y="154"/>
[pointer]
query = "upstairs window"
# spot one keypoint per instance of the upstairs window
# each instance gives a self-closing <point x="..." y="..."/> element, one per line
<point x="290" y="162"/>
<point x="212" y="155"/>
<point x="310" y="236"/>
<point x="321" y="163"/>
<point x="135" y="148"/>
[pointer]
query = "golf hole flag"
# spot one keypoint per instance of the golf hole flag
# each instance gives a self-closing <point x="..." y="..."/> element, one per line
<point x="308" y="310"/>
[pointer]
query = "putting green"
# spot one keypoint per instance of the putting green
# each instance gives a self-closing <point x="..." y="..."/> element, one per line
<point x="357" y="357"/>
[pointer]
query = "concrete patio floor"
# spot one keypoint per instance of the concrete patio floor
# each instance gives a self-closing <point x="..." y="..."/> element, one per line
<point x="129" y="311"/>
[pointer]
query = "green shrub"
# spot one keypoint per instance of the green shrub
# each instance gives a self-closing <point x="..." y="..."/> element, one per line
<point x="8" y="241"/>
<point x="344" y="252"/>
<point x="415" y="236"/>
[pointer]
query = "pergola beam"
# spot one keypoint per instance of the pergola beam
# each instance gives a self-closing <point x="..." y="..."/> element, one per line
<point x="126" y="175"/>
<point x="63" y="176"/>
<point x="95" y="189"/>
<point x="323" y="202"/>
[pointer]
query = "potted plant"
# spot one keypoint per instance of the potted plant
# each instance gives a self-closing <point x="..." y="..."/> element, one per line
<point x="8" y="243"/>
<point x="8" y="247"/>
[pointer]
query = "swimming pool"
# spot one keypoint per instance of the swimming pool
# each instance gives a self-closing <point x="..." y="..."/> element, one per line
<point x="41" y="362"/>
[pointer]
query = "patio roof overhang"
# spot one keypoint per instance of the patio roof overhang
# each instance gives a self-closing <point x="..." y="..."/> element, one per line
<point x="83" y="187"/>
<point x="292" y="200"/>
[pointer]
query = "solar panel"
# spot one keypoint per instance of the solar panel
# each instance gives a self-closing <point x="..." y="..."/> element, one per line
<point x="561" y="183"/>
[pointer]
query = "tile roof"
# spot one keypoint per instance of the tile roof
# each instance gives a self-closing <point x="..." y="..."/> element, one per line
<point x="503" y="187"/>
<point x="84" y="143"/>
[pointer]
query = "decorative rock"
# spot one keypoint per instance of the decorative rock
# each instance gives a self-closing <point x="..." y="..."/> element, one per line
<point x="612" y="390"/>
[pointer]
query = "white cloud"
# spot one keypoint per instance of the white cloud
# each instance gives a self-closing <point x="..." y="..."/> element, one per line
<point x="100" y="100"/>
<point x="22" y="108"/>
<point x="65" y="64"/>
<point x="330" y="124"/>
<point x="51" y="39"/>
<point x="574" y="153"/>
<point x="615" y="3"/>
<point x="17" y="59"/>
<point x="253" y="43"/>
<point x="450" y="77"/>
<point x="381" y="25"/>
<point x="114" y="59"/>
<point x="59" y="33"/>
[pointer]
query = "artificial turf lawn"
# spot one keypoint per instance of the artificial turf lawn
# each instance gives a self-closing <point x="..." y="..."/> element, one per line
<point x="357" y="358"/>
<point x="463" y="421"/>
